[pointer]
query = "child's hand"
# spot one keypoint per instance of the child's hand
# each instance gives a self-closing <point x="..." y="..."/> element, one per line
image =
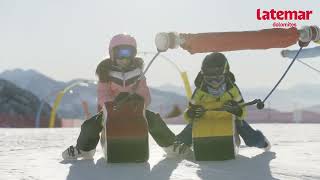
<point x="233" y="107"/>
<point x="122" y="96"/>
<point x="195" y="111"/>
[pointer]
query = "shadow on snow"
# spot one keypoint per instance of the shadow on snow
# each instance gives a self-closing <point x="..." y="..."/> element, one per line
<point x="257" y="167"/>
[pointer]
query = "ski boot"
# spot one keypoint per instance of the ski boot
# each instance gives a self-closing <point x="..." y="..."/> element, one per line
<point x="267" y="145"/>
<point x="73" y="153"/>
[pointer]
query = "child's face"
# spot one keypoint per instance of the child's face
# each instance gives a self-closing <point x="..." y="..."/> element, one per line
<point x="215" y="81"/>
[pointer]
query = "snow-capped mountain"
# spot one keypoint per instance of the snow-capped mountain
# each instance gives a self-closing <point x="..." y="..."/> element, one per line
<point x="46" y="88"/>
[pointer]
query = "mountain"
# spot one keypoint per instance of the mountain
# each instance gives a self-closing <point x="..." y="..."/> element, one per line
<point x="70" y="107"/>
<point x="163" y="101"/>
<point x="299" y="103"/>
<point x="18" y="107"/>
<point x="268" y="116"/>
<point x="172" y="88"/>
<point x="296" y="104"/>
<point x="291" y="99"/>
<point x="297" y="97"/>
<point x="32" y="81"/>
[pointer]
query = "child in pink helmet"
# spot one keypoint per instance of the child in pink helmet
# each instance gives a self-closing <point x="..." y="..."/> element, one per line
<point x="117" y="74"/>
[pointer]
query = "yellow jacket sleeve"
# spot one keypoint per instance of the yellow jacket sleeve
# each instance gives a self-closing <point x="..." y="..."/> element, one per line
<point x="239" y="99"/>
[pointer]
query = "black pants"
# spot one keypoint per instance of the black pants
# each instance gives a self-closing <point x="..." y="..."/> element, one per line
<point x="91" y="128"/>
<point x="251" y="137"/>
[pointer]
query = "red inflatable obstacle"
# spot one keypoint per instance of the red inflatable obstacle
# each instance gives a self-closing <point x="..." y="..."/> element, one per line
<point x="234" y="41"/>
<point x="231" y="41"/>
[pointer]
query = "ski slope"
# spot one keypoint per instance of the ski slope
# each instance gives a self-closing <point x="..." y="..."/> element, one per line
<point x="35" y="154"/>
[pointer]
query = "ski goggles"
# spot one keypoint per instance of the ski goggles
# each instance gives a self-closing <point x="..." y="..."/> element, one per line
<point x="126" y="52"/>
<point x="214" y="71"/>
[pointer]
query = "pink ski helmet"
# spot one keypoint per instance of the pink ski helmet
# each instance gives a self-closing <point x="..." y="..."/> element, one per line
<point x="121" y="40"/>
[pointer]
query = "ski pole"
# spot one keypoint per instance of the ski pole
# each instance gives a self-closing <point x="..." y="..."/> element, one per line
<point x="260" y="104"/>
<point x="135" y="86"/>
<point x="256" y="101"/>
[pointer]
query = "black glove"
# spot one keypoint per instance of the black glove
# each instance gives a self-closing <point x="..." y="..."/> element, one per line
<point x="195" y="111"/>
<point x="126" y="96"/>
<point x="122" y="96"/>
<point x="136" y="96"/>
<point x="233" y="107"/>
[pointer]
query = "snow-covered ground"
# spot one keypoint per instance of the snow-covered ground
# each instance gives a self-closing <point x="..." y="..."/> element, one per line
<point x="32" y="154"/>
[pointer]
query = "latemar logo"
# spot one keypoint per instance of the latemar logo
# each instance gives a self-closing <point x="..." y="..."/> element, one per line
<point x="283" y="15"/>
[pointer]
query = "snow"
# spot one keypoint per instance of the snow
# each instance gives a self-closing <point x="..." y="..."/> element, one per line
<point x="35" y="154"/>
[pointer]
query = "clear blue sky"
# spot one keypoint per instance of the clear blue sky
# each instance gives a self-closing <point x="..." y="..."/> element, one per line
<point x="67" y="39"/>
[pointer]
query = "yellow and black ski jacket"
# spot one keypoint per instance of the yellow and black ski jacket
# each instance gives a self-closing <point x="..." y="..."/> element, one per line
<point x="201" y="97"/>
